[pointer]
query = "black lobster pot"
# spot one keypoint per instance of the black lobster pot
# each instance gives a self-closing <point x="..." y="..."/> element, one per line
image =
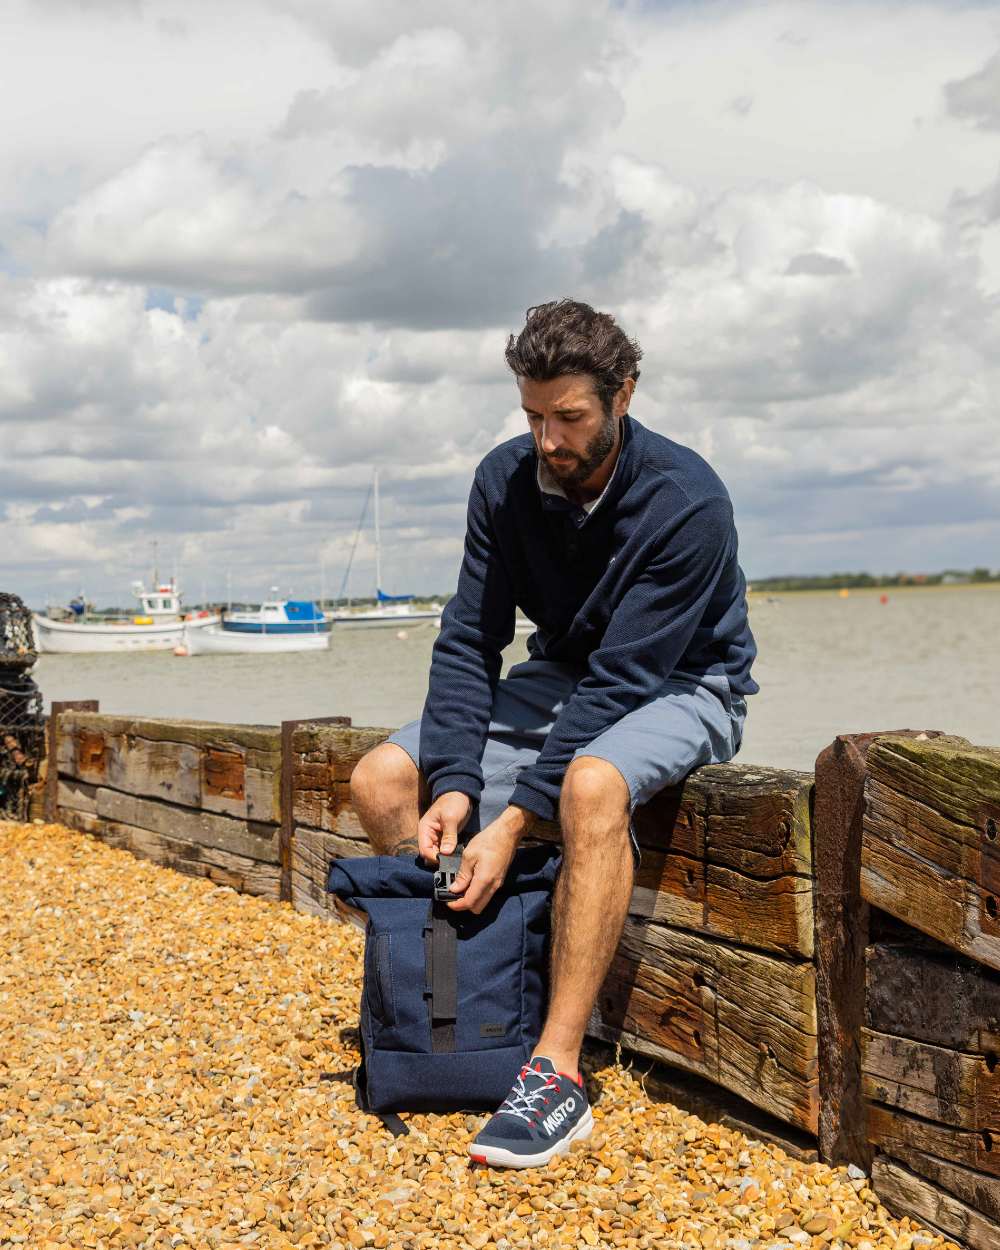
<point x="22" y="724"/>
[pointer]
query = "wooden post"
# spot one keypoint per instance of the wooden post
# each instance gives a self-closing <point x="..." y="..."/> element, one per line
<point x="841" y="933"/>
<point x="51" y="744"/>
<point x="287" y="827"/>
<point x="931" y="849"/>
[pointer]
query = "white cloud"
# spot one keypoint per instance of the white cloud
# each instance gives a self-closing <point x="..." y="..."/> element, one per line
<point x="248" y="251"/>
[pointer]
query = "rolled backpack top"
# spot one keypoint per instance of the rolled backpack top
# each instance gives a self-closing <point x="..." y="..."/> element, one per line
<point x="452" y="1002"/>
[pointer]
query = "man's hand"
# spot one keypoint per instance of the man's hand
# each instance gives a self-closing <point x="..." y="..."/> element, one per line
<point x="440" y="825"/>
<point x="486" y="859"/>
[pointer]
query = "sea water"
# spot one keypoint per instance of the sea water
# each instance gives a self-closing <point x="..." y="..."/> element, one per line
<point x="925" y="659"/>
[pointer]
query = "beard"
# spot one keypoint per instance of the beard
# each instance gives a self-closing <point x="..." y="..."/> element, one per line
<point x="573" y="470"/>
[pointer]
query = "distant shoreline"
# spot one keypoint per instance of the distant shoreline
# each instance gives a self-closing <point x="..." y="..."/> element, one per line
<point x="835" y="591"/>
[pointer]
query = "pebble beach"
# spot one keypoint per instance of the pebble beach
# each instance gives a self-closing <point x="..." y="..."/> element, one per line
<point x="171" y="1075"/>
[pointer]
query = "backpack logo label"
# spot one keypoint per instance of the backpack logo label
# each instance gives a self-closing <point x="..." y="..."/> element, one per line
<point x="491" y="1030"/>
<point x="555" y="1118"/>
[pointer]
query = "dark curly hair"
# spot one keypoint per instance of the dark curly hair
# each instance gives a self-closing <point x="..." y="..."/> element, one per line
<point x="568" y="336"/>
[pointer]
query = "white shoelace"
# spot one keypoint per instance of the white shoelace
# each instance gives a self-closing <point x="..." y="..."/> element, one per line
<point x="523" y="1102"/>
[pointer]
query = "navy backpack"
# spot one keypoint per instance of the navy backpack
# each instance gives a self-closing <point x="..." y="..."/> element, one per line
<point x="452" y="1002"/>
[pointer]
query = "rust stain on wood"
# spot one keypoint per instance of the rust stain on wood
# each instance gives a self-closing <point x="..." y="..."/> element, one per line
<point x="91" y="754"/>
<point x="225" y="773"/>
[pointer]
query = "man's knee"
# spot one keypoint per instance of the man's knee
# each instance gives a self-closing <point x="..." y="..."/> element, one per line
<point x="594" y="798"/>
<point x="383" y="779"/>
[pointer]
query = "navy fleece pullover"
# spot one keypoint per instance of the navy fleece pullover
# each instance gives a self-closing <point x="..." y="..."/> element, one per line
<point x="644" y="587"/>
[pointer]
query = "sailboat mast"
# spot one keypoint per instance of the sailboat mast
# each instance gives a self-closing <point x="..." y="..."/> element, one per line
<point x="378" y="544"/>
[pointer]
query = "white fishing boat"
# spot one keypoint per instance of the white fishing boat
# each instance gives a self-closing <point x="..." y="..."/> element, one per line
<point x="217" y="641"/>
<point x="390" y="611"/>
<point x="157" y="625"/>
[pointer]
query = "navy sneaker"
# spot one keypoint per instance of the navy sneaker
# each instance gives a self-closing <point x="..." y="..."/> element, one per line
<point x="544" y="1112"/>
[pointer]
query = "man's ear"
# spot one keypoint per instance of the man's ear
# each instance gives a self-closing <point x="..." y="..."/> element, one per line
<point x="624" y="397"/>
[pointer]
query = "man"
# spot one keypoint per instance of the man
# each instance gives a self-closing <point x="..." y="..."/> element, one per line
<point x="620" y="545"/>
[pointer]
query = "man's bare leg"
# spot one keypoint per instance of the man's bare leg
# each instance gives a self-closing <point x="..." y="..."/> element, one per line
<point x="590" y="903"/>
<point x="388" y="793"/>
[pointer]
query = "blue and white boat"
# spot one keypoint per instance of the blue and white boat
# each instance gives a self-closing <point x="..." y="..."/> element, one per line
<point x="278" y="616"/>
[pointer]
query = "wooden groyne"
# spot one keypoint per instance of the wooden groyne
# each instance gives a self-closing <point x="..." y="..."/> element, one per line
<point x="825" y="945"/>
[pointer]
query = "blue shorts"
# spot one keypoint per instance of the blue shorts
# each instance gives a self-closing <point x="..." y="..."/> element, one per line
<point x="687" y="724"/>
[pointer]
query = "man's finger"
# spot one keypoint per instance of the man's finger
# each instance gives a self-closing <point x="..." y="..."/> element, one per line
<point x="480" y="890"/>
<point x="427" y="839"/>
<point x="449" y="835"/>
<point x="465" y="873"/>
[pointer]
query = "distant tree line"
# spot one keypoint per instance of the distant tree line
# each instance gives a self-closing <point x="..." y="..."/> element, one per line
<point x="855" y="581"/>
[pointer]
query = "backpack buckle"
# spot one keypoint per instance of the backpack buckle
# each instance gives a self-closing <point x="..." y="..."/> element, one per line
<point x="444" y="877"/>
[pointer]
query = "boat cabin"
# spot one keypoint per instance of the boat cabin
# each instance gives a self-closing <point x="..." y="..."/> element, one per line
<point x="162" y="601"/>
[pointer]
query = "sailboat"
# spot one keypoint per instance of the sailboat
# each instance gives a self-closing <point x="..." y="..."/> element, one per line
<point x="389" y="610"/>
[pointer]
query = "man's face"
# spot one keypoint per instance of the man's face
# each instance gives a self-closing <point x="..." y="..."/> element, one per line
<point x="572" y="432"/>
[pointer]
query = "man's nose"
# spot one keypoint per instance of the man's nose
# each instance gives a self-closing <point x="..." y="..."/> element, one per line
<point x="551" y="441"/>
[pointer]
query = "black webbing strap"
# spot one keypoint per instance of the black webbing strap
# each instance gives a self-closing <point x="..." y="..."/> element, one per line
<point x="444" y="978"/>
<point x="441" y="958"/>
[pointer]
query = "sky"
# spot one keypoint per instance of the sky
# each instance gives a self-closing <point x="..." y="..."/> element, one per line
<point x="251" y="250"/>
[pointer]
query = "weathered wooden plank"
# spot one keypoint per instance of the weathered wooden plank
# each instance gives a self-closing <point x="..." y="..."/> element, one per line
<point x="673" y="822"/>
<point x="897" y="1134"/>
<point x="931" y="846"/>
<point x="947" y="774"/>
<point x="170" y="771"/>
<point x="904" y="1193"/>
<point x="287" y="823"/>
<point x="248" y="838"/>
<point x="329" y="810"/>
<point x="338" y="747"/>
<point x="324" y="758"/>
<point x="52" y="746"/>
<point x="669" y="887"/>
<point x="736" y="842"/>
<point x="933" y="996"/>
<point x="932" y="1081"/>
<point x="739" y="1017"/>
<point x="246" y="875"/>
<point x="980" y="1192"/>
<point x="774" y="915"/>
<point x="75" y="794"/>
<point x="841" y="917"/>
<point x="205" y="766"/>
<point x="312" y="850"/>
<point x="758" y="819"/>
<point x="261" y="740"/>
<point x="83" y="822"/>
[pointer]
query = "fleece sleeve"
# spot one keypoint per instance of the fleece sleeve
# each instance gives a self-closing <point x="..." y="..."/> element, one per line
<point x="476" y="625"/>
<point x="649" y="631"/>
